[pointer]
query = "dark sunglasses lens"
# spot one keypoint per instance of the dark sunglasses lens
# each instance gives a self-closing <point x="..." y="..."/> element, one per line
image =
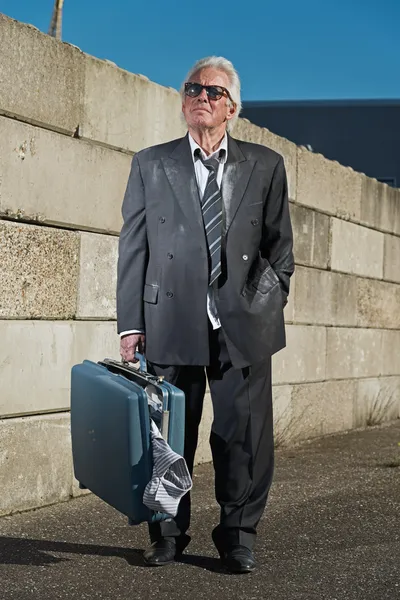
<point x="214" y="92"/>
<point x="193" y="90"/>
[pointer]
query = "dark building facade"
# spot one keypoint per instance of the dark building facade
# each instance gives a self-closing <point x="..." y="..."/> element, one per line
<point x="362" y="134"/>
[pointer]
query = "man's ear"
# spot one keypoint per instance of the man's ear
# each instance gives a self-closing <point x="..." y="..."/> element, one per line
<point x="231" y="111"/>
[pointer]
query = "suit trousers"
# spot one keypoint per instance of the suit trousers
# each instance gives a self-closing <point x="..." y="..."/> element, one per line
<point x="241" y="441"/>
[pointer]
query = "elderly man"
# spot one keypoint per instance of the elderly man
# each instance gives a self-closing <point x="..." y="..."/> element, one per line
<point x="205" y="259"/>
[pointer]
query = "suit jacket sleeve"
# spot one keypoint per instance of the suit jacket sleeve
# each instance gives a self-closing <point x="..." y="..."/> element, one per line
<point x="133" y="254"/>
<point x="277" y="239"/>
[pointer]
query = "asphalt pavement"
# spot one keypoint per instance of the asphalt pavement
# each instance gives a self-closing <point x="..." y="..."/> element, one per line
<point x="331" y="531"/>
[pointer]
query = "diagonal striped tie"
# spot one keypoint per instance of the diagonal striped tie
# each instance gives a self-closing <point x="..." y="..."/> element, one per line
<point x="211" y="207"/>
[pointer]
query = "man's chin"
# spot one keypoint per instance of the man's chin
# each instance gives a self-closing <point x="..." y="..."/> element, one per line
<point x="201" y="120"/>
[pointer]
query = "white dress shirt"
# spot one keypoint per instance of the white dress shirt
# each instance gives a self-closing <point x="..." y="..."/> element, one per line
<point x="202" y="176"/>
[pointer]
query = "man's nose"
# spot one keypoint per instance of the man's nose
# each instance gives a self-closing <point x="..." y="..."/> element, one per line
<point x="202" y="97"/>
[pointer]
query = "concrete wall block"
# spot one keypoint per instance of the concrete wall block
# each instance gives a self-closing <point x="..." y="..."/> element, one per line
<point x="378" y="304"/>
<point x="95" y="341"/>
<point x="380" y="205"/>
<point x="311" y="236"/>
<point x="391" y="263"/>
<point x="35" y="462"/>
<point x="36" y="359"/>
<point x="377" y="400"/>
<point x="325" y="298"/>
<point x="35" y="362"/>
<point x="311" y="410"/>
<point x="38" y="272"/>
<point x="98" y="276"/>
<point x="248" y="132"/>
<point x="390" y="352"/>
<point x="47" y="177"/>
<point x="203" y="452"/>
<point x="357" y="249"/>
<point x="289" y="308"/>
<point x="327" y="185"/>
<point x="353" y="353"/>
<point x="322" y="408"/>
<point x="41" y="79"/>
<point x="128" y="111"/>
<point x="303" y="359"/>
<point x="282" y="409"/>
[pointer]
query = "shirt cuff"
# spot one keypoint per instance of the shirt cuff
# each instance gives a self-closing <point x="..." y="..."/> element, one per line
<point x="130" y="331"/>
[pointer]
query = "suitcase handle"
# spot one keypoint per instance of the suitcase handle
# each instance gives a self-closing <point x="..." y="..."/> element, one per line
<point x="142" y="361"/>
<point x="116" y="366"/>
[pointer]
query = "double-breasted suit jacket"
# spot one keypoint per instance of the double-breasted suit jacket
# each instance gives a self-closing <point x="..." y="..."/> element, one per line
<point x="163" y="267"/>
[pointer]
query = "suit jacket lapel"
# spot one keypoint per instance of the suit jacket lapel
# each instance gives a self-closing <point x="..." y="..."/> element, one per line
<point x="179" y="170"/>
<point x="235" y="180"/>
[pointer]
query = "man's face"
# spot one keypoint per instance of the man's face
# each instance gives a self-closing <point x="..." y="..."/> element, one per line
<point x="203" y="113"/>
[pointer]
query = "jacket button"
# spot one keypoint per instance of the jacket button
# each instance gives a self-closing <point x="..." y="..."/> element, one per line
<point x="170" y="295"/>
<point x="255" y="222"/>
<point x="245" y="257"/>
<point x="170" y="256"/>
<point x="162" y="219"/>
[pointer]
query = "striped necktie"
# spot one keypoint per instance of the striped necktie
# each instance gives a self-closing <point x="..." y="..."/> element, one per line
<point x="211" y="208"/>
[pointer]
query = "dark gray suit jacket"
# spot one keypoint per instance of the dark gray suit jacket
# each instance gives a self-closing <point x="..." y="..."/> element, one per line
<point x="163" y="264"/>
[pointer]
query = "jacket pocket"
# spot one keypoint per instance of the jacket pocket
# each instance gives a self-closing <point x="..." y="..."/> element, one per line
<point x="265" y="281"/>
<point x="150" y="293"/>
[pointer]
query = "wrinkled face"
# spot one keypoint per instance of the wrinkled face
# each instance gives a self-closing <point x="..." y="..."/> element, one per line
<point x="203" y="113"/>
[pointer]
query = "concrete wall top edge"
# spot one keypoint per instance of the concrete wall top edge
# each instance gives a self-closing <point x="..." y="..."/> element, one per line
<point x="132" y="112"/>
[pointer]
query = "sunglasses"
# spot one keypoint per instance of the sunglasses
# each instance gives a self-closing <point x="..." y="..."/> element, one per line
<point x="214" y="92"/>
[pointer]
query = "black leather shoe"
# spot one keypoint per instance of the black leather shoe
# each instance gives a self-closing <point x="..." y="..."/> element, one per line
<point x="161" y="553"/>
<point x="238" y="559"/>
<point x="235" y="558"/>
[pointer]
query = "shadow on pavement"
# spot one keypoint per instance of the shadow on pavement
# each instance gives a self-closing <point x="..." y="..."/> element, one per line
<point x="203" y="562"/>
<point x="25" y="551"/>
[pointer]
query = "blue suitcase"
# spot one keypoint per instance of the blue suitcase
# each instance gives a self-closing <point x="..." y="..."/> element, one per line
<point x="110" y="430"/>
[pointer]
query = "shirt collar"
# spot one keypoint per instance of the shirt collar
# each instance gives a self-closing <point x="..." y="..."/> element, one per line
<point x="223" y="146"/>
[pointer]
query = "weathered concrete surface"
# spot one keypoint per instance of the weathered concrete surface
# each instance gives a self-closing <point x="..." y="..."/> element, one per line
<point x="203" y="452"/>
<point x="308" y="410"/>
<point x="289" y="308"/>
<point x="38" y="272"/>
<point x="354" y="353"/>
<point x="31" y="64"/>
<point x="51" y="178"/>
<point x="329" y="533"/>
<point x="325" y="298"/>
<point x="390" y="352"/>
<point x="391" y="265"/>
<point x="377" y="400"/>
<point x="357" y="249"/>
<point x="248" y="132"/>
<point x="97" y="276"/>
<point x="311" y="410"/>
<point x="380" y="205"/>
<point x="311" y="232"/>
<point x="327" y="185"/>
<point x="128" y="111"/>
<point x="35" y="462"/>
<point x="378" y="304"/>
<point x="303" y="359"/>
<point x="36" y="359"/>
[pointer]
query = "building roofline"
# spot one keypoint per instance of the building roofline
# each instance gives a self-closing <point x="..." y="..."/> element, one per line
<point x="319" y="103"/>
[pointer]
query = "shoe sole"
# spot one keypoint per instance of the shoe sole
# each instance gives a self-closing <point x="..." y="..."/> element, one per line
<point x="159" y="564"/>
<point x="163" y="564"/>
<point x="239" y="572"/>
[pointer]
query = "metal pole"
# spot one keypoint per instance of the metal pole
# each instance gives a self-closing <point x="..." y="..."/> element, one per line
<point x="55" y="28"/>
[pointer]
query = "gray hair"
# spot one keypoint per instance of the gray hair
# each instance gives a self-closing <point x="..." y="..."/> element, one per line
<point x="225" y="65"/>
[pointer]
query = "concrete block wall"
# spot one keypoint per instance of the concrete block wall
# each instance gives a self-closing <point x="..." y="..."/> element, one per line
<point x="69" y="124"/>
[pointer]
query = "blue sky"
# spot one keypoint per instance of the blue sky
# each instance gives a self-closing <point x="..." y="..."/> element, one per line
<point x="287" y="49"/>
